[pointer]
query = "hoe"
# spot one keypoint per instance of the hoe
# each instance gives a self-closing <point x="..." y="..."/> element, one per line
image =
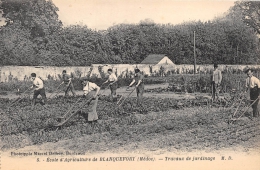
<point x="65" y="118"/>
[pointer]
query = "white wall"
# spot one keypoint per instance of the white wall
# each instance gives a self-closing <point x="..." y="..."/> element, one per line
<point x="20" y="72"/>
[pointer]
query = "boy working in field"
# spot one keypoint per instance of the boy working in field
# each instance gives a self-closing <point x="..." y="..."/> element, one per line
<point x="216" y="81"/>
<point x="138" y="79"/>
<point x="112" y="79"/>
<point x="253" y="84"/>
<point x="91" y="91"/>
<point x="38" y="89"/>
<point x="67" y="81"/>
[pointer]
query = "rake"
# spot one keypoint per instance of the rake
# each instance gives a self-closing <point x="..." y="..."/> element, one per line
<point x="70" y="109"/>
<point x="55" y="90"/>
<point x="238" y="107"/>
<point x="246" y="109"/>
<point x="18" y="99"/>
<point x="64" y="120"/>
<point x="57" y="93"/>
<point x="123" y="100"/>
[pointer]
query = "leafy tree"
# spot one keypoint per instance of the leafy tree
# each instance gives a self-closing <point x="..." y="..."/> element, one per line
<point x="39" y="16"/>
<point x="34" y="36"/>
<point x="250" y="11"/>
<point x="16" y="47"/>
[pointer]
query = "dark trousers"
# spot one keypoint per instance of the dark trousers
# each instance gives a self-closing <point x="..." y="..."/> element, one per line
<point x="140" y="92"/>
<point x="215" y="90"/>
<point x="70" y="88"/>
<point x="37" y="93"/>
<point x="113" y="88"/>
<point x="254" y="93"/>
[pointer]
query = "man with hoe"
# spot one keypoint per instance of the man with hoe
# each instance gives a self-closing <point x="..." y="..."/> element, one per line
<point x="138" y="79"/>
<point x="253" y="84"/>
<point x="38" y="89"/>
<point x="67" y="81"/>
<point x="112" y="80"/>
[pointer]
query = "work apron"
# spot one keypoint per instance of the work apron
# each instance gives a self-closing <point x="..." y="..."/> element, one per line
<point x="91" y="109"/>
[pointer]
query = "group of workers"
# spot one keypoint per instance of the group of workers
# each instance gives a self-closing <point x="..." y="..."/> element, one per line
<point x="91" y="90"/>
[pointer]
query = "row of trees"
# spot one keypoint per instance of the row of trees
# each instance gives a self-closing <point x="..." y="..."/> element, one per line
<point x="33" y="35"/>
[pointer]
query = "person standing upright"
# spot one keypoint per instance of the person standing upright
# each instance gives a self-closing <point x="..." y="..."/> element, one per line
<point x="138" y="79"/>
<point x="67" y="80"/>
<point x="253" y="84"/>
<point x="216" y="81"/>
<point x="112" y="80"/>
<point x="38" y="89"/>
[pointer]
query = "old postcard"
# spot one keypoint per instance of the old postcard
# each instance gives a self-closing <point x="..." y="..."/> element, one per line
<point x="129" y="84"/>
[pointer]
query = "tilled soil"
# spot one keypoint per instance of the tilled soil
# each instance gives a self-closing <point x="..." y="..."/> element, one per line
<point x="185" y="129"/>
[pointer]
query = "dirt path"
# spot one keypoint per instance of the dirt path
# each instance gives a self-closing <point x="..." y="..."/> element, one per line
<point x="122" y="91"/>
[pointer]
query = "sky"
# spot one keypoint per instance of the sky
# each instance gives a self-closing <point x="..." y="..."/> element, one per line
<point x="101" y="14"/>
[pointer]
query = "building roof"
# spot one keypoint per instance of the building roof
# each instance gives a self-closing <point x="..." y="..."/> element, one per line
<point x="153" y="59"/>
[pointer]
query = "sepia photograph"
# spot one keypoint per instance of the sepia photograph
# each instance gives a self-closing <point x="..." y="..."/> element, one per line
<point x="129" y="84"/>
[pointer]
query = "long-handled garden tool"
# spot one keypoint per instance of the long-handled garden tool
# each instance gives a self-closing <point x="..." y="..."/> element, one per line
<point x="212" y="93"/>
<point x="125" y="98"/>
<point x="122" y="98"/>
<point x="57" y="93"/>
<point x="70" y="109"/>
<point x="118" y="105"/>
<point x="238" y="107"/>
<point x="238" y="99"/>
<point x="55" y="90"/>
<point x="246" y="108"/>
<point x="18" y="99"/>
<point x="72" y="113"/>
<point x="119" y="99"/>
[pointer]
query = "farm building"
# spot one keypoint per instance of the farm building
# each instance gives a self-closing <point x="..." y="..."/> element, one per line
<point x="155" y="59"/>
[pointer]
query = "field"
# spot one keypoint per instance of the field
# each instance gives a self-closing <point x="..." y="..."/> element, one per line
<point x="163" y="123"/>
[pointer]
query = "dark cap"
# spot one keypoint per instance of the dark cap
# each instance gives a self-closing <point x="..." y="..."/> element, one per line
<point x="248" y="69"/>
<point x="215" y="65"/>
<point x="137" y="70"/>
<point x="64" y="71"/>
<point x="109" y="69"/>
<point x="33" y="75"/>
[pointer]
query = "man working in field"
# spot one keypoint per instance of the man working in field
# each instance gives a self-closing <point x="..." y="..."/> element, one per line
<point x="253" y="84"/>
<point x="38" y="89"/>
<point x="112" y="79"/>
<point x="91" y="91"/>
<point x="216" y="81"/>
<point x="138" y="79"/>
<point x="67" y="80"/>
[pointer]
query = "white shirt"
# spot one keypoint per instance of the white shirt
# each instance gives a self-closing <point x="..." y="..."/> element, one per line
<point x="217" y="76"/>
<point x="38" y="83"/>
<point x="89" y="87"/>
<point x="251" y="82"/>
<point x="112" y="77"/>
